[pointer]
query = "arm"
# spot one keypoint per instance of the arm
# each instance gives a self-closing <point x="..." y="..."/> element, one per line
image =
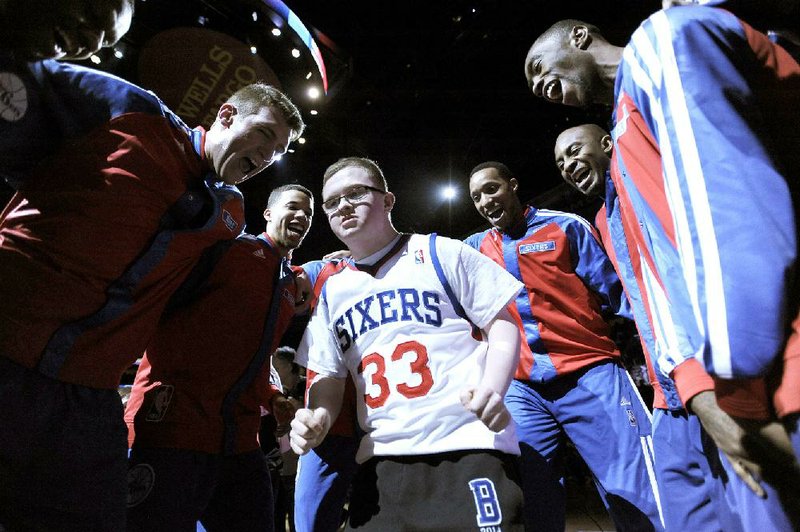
<point x="311" y="425"/>
<point x="502" y="357"/>
<point x="594" y="267"/>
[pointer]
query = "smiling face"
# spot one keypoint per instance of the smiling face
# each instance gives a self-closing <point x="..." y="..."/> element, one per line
<point x="63" y="29"/>
<point x="561" y="72"/>
<point x="582" y="156"/>
<point x="289" y="219"/>
<point x="495" y="198"/>
<point x="240" y="146"/>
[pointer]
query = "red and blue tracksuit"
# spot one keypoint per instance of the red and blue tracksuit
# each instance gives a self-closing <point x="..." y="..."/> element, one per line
<point x="703" y="143"/>
<point x="200" y="388"/>
<point x="114" y="205"/>
<point x="687" y="465"/>
<point x="569" y="381"/>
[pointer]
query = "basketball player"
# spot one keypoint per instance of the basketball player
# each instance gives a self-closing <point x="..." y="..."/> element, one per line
<point x="116" y="200"/>
<point x="569" y="383"/>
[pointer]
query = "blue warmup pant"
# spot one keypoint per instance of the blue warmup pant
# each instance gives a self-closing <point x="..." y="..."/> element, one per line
<point x="324" y="476"/>
<point x="602" y="413"/>
<point x="691" y="479"/>
<point x="759" y="515"/>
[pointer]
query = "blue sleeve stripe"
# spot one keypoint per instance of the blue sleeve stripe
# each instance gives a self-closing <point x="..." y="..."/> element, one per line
<point x="437" y="266"/>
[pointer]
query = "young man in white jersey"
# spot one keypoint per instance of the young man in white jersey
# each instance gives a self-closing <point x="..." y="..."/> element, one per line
<point x="439" y="445"/>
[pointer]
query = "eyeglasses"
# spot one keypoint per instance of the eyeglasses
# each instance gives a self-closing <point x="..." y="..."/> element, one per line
<point x="351" y="196"/>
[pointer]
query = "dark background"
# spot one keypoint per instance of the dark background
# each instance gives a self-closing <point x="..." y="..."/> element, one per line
<point x="426" y="88"/>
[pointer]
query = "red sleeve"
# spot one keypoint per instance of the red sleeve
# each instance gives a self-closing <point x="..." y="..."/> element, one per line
<point x="690" y="379"/>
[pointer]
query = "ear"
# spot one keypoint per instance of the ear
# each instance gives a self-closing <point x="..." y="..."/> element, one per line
<point x="513" y="183"/>
<point x="607" y="144"/>
<point x="225" y="114"/>
<point x="388" y="201"/>
<point x="579" y="37"/>
<point x="267" y="214"/>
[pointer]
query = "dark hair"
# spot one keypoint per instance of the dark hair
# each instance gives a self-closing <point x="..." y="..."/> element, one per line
<point x="502" y="170"/>
<point x="276" y="193"/>
<point x="252" y="98"/>
<point x="287" y="354"/>
<point x="370" y="166"/>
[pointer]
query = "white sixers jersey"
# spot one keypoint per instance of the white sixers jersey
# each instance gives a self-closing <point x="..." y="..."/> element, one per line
<point x="408" y="350"/>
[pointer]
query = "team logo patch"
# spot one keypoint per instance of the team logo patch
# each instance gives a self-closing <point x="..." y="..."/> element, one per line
<point x="631" y="417"/>
<point x="537" y="247"/>
<point x="13" y="97"/>
<point x="161" y="399"/>
<point x="419" y="257"/>
<point x="287" y="295"/>
<point x="489" y="515"/>
<point x="141" y="479"/>
<point x="230" y="223"/>
<point x="260" y="253"/>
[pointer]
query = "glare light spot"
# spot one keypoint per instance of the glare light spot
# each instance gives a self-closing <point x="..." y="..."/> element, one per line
<point x="253" y="50"/>
<point x="313" y="112"/>
<point x="117" y="53"/>
<point x="202" y="20"/>
<point x="276" y="32"/>
<point x="313" y="93"/>
<point x="301" y="140"/>
<point x="308" y="76"/>
<point x="95" y="59"/>
<point x="295" y="53"/>
<point x="278" y="157"/>
<point x="290" y="150"/>
<point x="255" y="16"/>
<point x="449" y="192"/>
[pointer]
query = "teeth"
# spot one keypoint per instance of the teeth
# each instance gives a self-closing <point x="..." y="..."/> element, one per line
<point x="551" y="91"/>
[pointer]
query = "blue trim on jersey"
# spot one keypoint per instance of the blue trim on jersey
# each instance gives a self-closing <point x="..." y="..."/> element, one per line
<point x="437" y="266"/>
<point x="643" y="325"/>
<point x="120" y="293"/>
<point x="543" y="368"/>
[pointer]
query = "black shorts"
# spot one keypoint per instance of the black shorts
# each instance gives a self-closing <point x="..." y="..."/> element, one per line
<point x="461" y="490"/>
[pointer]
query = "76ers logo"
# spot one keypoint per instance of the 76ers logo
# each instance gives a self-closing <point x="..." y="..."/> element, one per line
<point x="13" y="97"/>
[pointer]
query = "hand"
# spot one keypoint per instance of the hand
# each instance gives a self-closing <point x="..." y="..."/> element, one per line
<point x="488" y="405"/>
<point x="341" y="254"/>
<point x="755" y="449"/>
<point x="283" y="409"/>
<point x="309" y="428"/>
<point x="304" y="293"/>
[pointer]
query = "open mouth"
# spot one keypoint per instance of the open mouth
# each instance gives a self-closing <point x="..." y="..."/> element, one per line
<point x="62" y="44"/>
<point x="296" y="229"/>
<point x="581" y="177"/>
<point x="247" y="165"/>
<point x="495" y="215"/>
<point x="552" y="91"/>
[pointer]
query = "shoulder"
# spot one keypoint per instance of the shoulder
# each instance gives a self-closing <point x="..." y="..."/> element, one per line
<point x="564" y="219"/>
<point x="689" y="25"/>
<point x="474" y="240"/>
<point x="120" y="95"/>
